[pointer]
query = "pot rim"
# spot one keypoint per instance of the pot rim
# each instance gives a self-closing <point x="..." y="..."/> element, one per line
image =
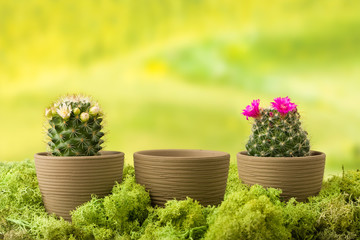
<point x="313" y="155"/>
<point x="183" y="154"/>
<point x="103" y="155"/>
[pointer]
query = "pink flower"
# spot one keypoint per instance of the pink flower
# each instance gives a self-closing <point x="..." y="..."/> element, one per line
<point x="252" y="110"/>
<point x="283" y="105"/>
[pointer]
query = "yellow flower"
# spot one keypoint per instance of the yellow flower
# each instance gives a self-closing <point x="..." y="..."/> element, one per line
<point x="84" y="117"/>
<point x="94" y="110"/>
<point x="64" y="111"/>
<point x="76" y="111"/>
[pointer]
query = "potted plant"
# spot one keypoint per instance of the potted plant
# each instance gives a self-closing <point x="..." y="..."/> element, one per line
<point x="179" y="173"/>
<point x="74" y="168"/>
<point x="278" y="152"/>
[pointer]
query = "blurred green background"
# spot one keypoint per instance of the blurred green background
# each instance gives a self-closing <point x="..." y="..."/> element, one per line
<point x="176" y="74"/>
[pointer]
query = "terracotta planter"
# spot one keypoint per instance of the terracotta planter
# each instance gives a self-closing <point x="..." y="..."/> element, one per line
<point x="299" y="177"/>
<point x="175" y="174"/>
<point x="67" y="182"/>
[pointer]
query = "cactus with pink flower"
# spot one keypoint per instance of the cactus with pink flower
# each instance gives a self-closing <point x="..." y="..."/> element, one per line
<point x="276" y="130"/>
<point x="75" y="126"/>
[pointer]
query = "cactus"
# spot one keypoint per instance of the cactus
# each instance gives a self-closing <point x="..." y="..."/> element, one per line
<point x="75" y="127"/>
<point x="276" y="131"/>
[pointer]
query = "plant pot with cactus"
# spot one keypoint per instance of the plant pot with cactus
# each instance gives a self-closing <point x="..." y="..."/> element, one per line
<point x="75" y="168"/>
<point x="278" y="152"/>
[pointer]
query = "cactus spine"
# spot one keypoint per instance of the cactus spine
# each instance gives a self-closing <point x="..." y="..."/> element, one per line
<point x="276" y="131"/>
<point x="75" y="127"/>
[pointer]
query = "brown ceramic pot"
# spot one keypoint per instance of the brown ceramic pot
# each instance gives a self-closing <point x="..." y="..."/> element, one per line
<point x="299" y="177"/>
<point x="67" y="182"/>
<point x="175" y="174"/>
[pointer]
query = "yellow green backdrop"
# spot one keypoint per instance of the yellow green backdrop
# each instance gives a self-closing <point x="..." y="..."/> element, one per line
<point x="176" y="74"/>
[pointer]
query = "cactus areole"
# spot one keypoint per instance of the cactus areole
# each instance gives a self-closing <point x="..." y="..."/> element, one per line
<point x="276" y="130"/>
<point x="75" y="126"/>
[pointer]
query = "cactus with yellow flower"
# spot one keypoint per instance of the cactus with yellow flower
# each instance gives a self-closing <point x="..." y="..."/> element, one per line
<point x="75" y="126"/>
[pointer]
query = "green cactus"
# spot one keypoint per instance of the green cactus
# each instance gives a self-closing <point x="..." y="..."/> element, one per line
<point x="278" y="135"/>
<point x="75" y="127"/>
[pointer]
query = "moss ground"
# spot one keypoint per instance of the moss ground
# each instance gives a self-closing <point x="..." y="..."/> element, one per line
<point x="246" y="212"/>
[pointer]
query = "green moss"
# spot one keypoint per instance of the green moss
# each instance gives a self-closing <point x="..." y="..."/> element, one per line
<point x="51" y="228"/>
<point x="249" y="214"/>
<point x="129" y="171"/>
<point x="233" y="182"/>
<point x="91" y="218"/>
<point x="20" y="198"/>
<point x="301" y="219"/>
<point x="184" y="214"/>
<point x="185" y="219"/>
<point x="246" y="213"/>
<point x="127" y="208"/>
<point x="348" y="183"/>
<point x="120" y="213"/>
<point x="339" y="216"/>
<point x="331" y="235"/>
<point x="16" y="235"/>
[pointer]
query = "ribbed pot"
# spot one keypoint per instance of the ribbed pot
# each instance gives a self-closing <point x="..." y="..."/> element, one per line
<point x="67" y="182"/>
<point x="175" y="174"/>
<point x="299" y="177"/>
